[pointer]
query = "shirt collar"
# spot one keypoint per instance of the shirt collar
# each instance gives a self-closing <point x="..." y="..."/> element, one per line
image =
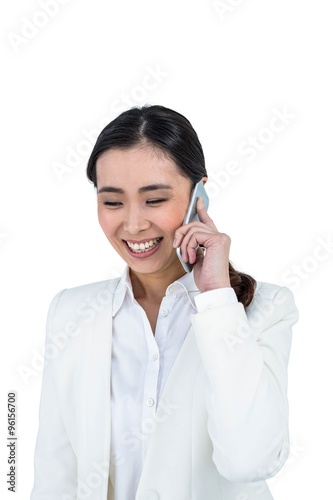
<point x="124" y="286"/>
<point x="183" y="286"/>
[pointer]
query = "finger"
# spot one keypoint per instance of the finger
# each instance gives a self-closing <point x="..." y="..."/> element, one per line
<point x="196" y="254"/>
<point x="190" y="243"/>
<point x="185" y="231"/>
<point x="187" y="247"/>
<point x="178" y="238"/>
<point x="203" y="215"/>
<point x="197" y="233"/>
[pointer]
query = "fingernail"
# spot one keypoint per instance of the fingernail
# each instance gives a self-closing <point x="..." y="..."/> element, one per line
<point x="201" y="202"/>
<point x="175" y="242"/>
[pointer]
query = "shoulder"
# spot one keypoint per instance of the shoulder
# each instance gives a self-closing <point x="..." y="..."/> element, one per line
<point x="267" y="291"/>
<point x="270" y="291"/>
<point x="272" y="302"/>
<point x="79" y="303"/>
<point x="95" y="291"/>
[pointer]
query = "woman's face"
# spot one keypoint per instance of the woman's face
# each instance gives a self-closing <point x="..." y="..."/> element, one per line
<point x="142" y="200"/>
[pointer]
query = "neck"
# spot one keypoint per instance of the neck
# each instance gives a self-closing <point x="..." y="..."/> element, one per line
<point x="152" y="287"/>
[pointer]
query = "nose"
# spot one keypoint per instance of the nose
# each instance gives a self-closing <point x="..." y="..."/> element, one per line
<point x="135" y="221"/>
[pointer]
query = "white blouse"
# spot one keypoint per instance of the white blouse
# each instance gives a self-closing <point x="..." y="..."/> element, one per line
<point x="141" y="363"/>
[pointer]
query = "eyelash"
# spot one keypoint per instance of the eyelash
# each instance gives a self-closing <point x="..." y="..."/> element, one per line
<point x="112" y="203"/>
<point x="156" y="201"/>
<point x="149" y="202"/>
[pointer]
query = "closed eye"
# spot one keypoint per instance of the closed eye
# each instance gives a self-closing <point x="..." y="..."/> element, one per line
<point x="112" y="203"/>
<point x="156" y="201"/>
<point x="115" y="204"/>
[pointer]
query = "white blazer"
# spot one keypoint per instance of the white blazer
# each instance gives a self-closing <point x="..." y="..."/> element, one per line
<point x="221" y="426"/>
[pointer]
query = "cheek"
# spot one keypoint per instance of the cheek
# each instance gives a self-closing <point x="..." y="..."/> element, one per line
<point x="173" y="220"/>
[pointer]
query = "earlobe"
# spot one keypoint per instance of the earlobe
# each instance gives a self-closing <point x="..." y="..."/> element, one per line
<point x="204" y="179"/>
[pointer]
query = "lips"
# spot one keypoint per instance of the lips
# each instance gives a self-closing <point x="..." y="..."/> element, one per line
<point x="143" y="247"/>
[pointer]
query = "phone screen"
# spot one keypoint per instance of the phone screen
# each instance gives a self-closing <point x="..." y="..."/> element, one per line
<point x="191" y="215"/>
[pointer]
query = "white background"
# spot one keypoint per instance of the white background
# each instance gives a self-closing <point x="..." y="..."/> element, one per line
<point x="227" y="72"/>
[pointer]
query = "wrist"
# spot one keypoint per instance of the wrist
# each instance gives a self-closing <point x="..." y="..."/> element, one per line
<point x="215" y="286"/>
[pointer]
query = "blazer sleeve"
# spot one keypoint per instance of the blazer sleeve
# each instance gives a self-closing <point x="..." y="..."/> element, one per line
<point x="245" y="356"/>
<point x="55" y="460"/>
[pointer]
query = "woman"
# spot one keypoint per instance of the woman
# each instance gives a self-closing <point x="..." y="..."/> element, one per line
<point x="195" y="405"/>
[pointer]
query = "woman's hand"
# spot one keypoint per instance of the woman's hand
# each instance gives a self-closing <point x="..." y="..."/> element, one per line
<point x="211" y="263"/>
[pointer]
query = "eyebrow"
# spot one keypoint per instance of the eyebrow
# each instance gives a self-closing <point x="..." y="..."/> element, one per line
<point x="144" y="189"/>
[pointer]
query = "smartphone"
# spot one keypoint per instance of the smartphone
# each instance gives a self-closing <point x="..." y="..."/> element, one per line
<point x="191" y="215"/>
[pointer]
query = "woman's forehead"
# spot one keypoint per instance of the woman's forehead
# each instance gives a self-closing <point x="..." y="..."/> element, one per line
<point x="141" y="165"/>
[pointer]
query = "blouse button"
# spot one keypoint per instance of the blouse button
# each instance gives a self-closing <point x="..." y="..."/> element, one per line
<point x="164" y="312"/>
<point x="150" y="402"/>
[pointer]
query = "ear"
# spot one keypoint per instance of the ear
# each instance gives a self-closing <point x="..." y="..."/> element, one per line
<point x="204" y="179"/>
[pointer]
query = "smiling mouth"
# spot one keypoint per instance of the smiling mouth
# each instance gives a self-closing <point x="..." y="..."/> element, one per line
<point x="143" y="247"/>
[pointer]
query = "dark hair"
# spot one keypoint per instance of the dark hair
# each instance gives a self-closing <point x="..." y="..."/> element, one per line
<point x="158" y="127"/>
<point x="170" y="132"/>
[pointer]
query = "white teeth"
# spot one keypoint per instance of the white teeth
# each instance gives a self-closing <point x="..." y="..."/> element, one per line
<point x="143" y="247"/>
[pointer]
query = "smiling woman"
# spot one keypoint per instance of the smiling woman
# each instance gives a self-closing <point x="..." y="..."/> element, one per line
<point x="134" y="210"/>
<point x="195" y="404"/>
<point x="169" y="140"/>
